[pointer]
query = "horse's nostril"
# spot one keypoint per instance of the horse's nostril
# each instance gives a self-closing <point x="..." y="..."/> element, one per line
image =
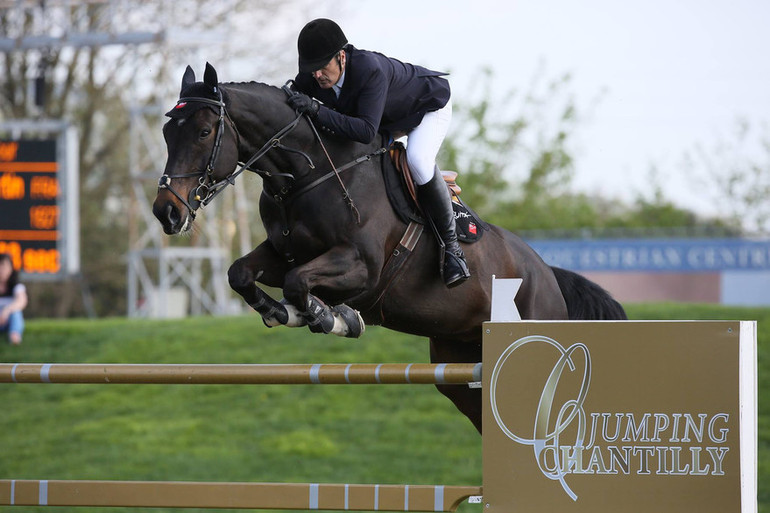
<point x="172" y="215"/>
<point x="169" y="216"/>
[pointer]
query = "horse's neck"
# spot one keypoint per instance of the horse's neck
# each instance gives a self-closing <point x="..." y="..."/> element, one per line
<point x="259" y="112"/>
<point x="251" y="107"/>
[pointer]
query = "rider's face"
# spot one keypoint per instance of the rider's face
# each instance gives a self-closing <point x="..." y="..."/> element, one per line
<point x="331" y="73"/>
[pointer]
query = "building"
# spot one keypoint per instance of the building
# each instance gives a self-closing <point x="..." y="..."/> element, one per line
<point x="725" y="271"/>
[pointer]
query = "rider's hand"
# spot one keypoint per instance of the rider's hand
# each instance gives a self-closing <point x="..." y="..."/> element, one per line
<point x="304" y="104"/>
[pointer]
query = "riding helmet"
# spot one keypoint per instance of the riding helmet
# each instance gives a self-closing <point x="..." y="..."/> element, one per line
<point x="318" y="42"/>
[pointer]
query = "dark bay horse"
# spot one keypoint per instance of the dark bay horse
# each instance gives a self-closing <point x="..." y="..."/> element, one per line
<point x="331" y="236"/>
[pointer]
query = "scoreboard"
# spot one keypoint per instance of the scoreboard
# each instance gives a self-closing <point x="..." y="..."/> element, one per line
<point x="38" y="206"/>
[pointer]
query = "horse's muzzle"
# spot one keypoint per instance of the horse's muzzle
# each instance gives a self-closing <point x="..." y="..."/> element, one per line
<point x="170" y="217"/>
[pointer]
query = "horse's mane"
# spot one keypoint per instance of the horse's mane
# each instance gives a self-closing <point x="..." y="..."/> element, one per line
<point x="248" y="84"/>
<point x="252" y="87"/>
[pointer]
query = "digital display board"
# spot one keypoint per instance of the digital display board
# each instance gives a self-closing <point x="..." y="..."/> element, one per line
<point x="34" y="228"/>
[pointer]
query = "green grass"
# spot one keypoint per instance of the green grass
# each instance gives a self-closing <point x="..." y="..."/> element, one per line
<point x="393" y="434"/>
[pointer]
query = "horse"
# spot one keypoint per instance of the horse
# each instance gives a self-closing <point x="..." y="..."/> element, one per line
<point x="332" y="233"/>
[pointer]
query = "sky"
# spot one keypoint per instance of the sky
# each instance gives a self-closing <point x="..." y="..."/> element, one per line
<point x="669" y="75"/>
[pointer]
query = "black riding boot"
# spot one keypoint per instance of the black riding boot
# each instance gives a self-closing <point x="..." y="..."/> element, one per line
<point x="436" y="204"/>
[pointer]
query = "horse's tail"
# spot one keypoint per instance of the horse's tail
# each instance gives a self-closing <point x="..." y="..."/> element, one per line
<point x="587" y="301"/>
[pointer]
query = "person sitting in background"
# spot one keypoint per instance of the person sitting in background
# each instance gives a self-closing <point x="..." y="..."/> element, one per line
<point x="13" y="300"/>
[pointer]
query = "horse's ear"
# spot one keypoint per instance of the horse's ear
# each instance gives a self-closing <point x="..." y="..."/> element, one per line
<point x="188" y="79"/>
<point x="210" y="77"/>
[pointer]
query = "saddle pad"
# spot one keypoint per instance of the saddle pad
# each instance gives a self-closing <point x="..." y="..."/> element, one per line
<point x="469" y="226"/>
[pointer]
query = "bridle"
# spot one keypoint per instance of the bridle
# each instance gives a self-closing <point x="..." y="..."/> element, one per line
<point x="209" y="187"/>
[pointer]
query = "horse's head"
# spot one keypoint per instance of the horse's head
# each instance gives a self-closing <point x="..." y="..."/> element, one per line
<point x="202" y="152"/>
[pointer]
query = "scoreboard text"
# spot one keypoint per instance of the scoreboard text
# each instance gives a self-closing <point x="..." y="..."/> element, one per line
<point x="29" y="206"/>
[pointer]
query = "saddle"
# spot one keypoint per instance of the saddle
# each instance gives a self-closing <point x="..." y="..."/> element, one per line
<point x="402" y="194"/>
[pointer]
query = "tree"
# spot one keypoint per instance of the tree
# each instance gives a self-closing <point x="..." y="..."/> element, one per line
<point x="92" y="86"/>
<point x="738" y="169"/>
<point x="514" y="157"/>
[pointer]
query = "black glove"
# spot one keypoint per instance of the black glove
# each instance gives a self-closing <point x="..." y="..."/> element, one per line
<point x="304" y="104"/>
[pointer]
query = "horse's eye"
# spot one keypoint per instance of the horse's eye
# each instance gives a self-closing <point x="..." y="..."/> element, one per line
<point x="205" y="133"/>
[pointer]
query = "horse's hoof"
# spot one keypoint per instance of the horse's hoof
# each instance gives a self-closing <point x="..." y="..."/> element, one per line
<point x="352" y="319"/>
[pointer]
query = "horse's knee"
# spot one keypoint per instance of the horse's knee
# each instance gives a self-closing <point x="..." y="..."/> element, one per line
<point x="240" y="276"/>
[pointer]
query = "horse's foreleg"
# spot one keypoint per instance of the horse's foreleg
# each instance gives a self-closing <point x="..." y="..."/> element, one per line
<point x="337" y="273"/>
<point x="265" y="265"/>
<point x="277" y="313"/>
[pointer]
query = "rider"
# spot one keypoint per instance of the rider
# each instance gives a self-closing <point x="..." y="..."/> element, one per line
<point x="356" y="93"/>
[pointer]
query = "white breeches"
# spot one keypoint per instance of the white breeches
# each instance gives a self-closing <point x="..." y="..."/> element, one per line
<point x="424" y="142"/>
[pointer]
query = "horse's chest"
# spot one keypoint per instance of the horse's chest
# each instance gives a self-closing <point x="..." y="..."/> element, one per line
<point x="305" y="229"/>
<point x="303" y="241"/>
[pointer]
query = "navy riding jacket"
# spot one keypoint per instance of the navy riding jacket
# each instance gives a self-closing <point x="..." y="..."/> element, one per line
<point x="379" y="94"/>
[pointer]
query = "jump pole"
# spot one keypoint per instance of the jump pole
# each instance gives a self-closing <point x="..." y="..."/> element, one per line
<point x="243" y="374"/>
<point x="294" y="496"/>
<point x="297" y="496"/>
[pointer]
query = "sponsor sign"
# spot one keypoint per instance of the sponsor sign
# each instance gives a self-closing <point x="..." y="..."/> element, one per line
<point x="620" y="416"/>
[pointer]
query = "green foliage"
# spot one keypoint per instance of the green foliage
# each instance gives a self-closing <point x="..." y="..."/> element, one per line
<point x="738" y="168"/>
<point x="388" y="434"/>
<point x="494" y="137"/>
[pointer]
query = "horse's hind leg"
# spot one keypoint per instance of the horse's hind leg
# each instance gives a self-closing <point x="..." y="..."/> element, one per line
<point x="466" y="399"/>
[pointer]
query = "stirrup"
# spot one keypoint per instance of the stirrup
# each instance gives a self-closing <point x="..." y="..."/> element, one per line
<point x="458" y="267"/>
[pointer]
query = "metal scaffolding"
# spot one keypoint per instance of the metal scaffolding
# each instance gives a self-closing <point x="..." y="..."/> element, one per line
<point x="165" y="278"/>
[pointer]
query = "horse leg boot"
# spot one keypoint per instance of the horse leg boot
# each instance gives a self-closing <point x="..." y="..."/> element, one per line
<point x="339" y="320"/>
<point x="436" y="204"/>
<point x="275" y="313"/>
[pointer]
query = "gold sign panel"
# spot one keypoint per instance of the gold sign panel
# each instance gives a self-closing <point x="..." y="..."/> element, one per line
<point x="620" y="416"/>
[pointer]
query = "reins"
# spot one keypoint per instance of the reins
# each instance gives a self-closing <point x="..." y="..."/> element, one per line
<point x="336" y="172"/>
<point x="208" y="187"/>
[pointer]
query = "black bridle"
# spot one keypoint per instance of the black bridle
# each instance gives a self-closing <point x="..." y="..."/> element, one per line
<point x="209" y="187"/>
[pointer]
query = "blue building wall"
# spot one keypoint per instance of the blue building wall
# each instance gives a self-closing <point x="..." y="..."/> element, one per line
<point x="750" y="288"/>
<point x="743" y="265"/>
